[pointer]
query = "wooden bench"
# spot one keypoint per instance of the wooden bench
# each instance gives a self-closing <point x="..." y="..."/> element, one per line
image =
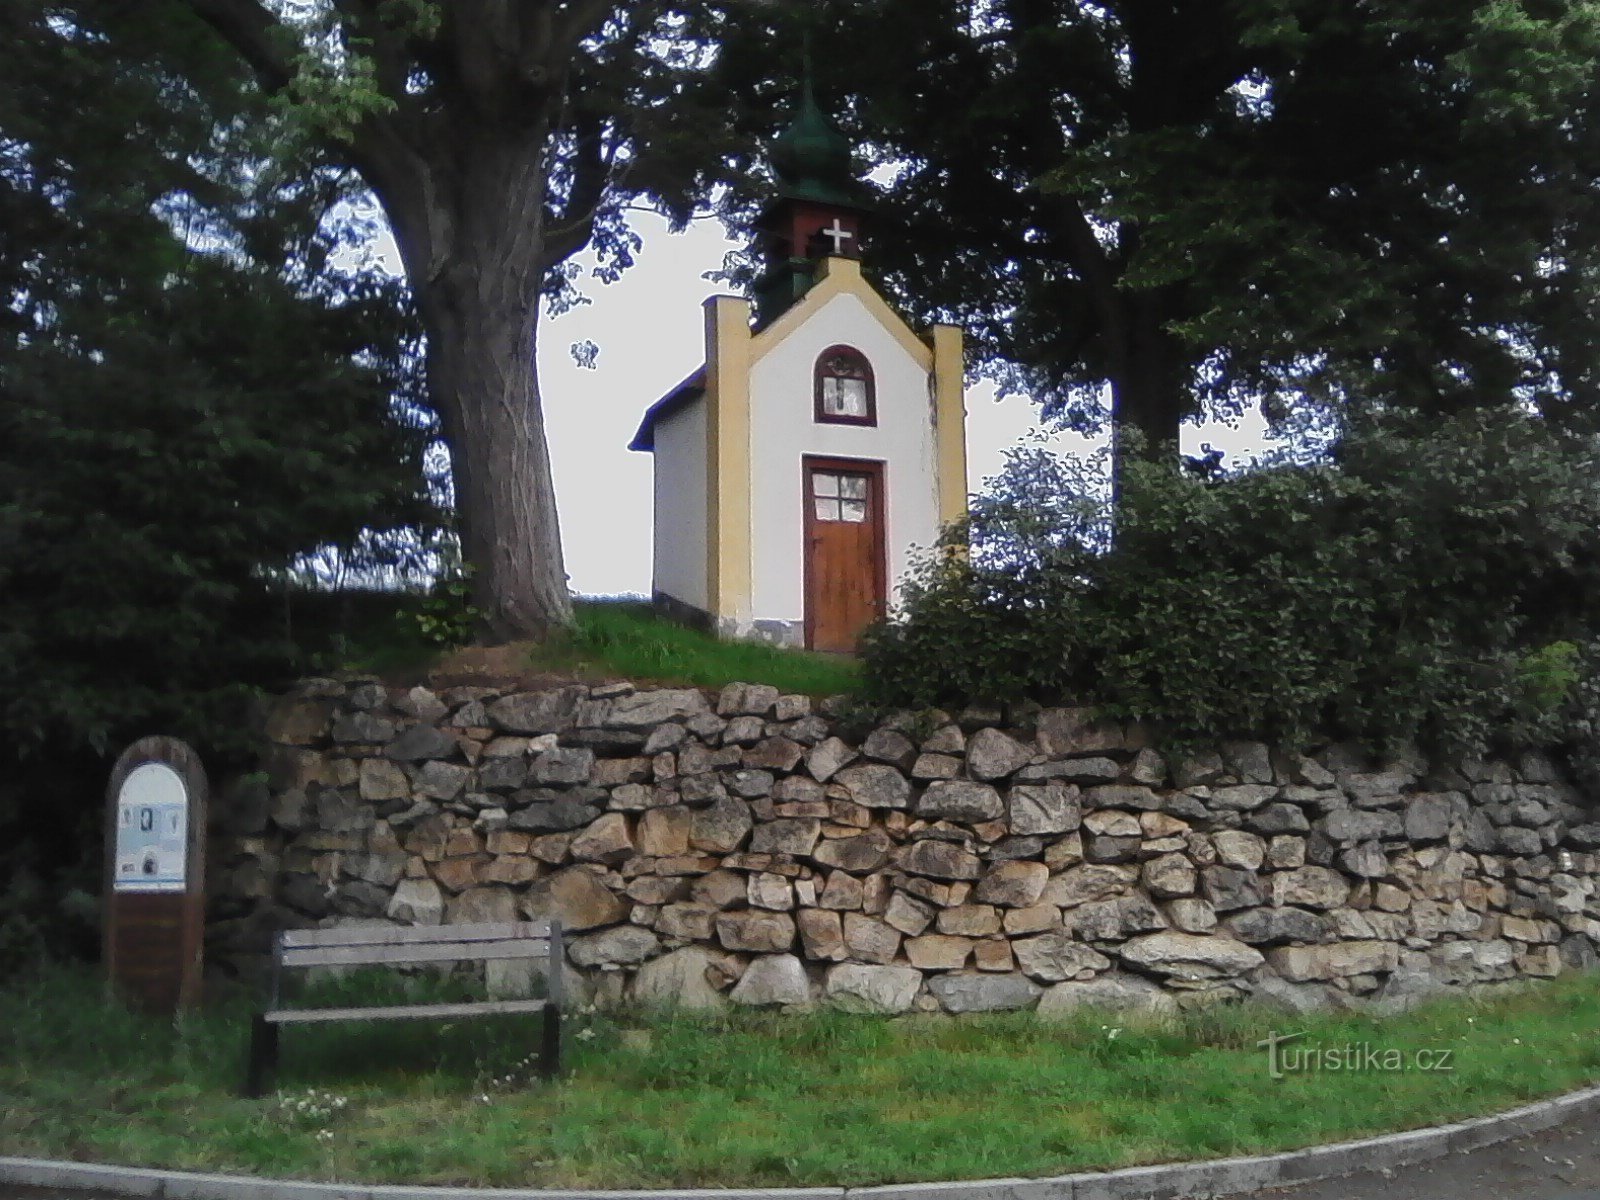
<point x="359" y="946"/>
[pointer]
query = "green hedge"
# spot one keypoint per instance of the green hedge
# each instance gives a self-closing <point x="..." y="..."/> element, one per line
<point x="1428" y="585"/>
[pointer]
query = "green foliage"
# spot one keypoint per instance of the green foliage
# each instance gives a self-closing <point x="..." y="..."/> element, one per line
<point x="1578" y="722"/>
<point x="1427" y="585"/>
<point x="1295" y="201"/>
<point x="1546" y="678"/>
<point x="335" y="84"/>
<point x="191" y="398"/>
<point x="446" y="616"/>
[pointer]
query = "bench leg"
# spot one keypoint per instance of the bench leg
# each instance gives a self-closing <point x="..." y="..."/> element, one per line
<point x="550" y="1043"/>
<point x="263" y="1064"/>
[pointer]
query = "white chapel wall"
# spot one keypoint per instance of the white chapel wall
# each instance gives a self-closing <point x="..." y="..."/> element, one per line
<point x="680" y="505"/>
<point x="783" y="429"/>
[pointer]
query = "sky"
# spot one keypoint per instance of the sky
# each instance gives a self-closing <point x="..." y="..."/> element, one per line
<point x="648" y="326"/>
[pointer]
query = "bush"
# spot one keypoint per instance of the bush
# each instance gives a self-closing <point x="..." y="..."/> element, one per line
<point x="1426" y="586"/>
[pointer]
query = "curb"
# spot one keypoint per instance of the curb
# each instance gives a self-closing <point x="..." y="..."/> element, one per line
<point x="1169" y="1181"/>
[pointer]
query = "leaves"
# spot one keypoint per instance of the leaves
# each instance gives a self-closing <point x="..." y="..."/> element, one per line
<point x="1428" y="585"/>
<point x="1288" y="202"/>
<point x="191" y="398"/>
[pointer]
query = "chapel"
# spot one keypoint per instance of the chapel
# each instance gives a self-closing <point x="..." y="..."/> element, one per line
<point x="822" y="439"/>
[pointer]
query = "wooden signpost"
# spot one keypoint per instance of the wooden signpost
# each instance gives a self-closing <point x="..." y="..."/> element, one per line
<point x="155" y="874"/>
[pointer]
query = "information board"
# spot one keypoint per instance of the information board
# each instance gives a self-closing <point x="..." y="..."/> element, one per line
<point x="152" y="831"/>
<point x="155" y="830"/>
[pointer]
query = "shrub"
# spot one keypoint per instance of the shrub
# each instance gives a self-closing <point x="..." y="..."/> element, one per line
<point x="1427" y="585"/>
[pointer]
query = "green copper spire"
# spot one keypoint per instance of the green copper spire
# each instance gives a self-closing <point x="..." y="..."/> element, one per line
<point x="811" y="157"/>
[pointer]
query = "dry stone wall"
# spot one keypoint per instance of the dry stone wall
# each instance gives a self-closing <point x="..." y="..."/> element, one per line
<point x="744" y="848"/>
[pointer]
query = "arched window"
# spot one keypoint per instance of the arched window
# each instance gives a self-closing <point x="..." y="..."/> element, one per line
<point x="844" y="391"/>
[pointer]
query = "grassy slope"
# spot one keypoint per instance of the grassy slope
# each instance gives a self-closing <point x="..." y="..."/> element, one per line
<point x="625" y="638"/>
<point x="622" y="639"/>
<point x="751" y="1099"/>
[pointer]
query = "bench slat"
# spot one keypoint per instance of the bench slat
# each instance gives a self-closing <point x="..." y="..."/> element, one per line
<point x="397" y="1012"/>
<point x="356" y="956"/>
<point x="408" y="935"/>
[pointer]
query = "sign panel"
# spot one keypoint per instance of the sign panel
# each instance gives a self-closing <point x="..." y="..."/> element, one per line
<point x="152" y="836"/>
<point x="155" y="874"/>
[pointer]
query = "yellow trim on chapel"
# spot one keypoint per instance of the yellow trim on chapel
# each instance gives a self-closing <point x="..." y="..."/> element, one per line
<point x="949" y="423"/>
<point x="728" y="360"/>
<point x="837" y="277"/>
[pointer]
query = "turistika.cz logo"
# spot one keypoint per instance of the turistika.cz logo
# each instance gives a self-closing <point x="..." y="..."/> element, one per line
<point x="1285" y="1059"/>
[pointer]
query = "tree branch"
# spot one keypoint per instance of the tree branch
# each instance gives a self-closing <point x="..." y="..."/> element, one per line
<point x="485" y="44"/>
<point x="577" y="20"/>
<point x="361" y="22"/>
<point x="569" y="231"/>
<point x="260" y="38"/>
<point x="551" y="32"/>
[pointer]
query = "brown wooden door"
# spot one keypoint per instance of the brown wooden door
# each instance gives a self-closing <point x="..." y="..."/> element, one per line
<point x="844" y="550"/>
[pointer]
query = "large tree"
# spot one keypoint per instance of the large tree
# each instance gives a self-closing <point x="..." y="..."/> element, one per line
<point x="193" y="393"/>
<point x="496" y="135"/>
<point x="1207" y="203"/>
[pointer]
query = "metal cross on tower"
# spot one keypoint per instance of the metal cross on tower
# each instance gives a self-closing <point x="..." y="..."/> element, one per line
<point x="839" y="236"/>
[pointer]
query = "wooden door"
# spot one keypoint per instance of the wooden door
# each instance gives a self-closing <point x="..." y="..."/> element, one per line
<point x="844" y="574"/>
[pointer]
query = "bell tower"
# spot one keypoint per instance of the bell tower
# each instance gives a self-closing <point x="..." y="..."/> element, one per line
<point x="818" y="212"/>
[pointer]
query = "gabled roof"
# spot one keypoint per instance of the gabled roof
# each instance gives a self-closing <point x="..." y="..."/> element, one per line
<point x="836" y="277"/>
<point x="680" y="397"/>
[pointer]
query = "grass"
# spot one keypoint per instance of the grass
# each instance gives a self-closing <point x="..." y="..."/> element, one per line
<point x="611" y="639"/>
<point x="626" y="638"/>
<point x="749" y="1099"/>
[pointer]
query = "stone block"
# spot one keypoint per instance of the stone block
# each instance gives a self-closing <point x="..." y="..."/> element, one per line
<point x="721" y="828"/>
<point x="774" y="980"/>
<point x="578" y="897"/>
<point x="993" y="755"/>
<point x="859" y="855"/>
<point x="983" y="993"/>
<point x="621" y="945"/>
<point x="828" y="757"/>
<point x="875" y="785"/>
<point x="871" y="989"/>
<point x="938" y="951"/>
<point x="1310" y="887"/>
<point x="870" y="940"/>
<point x="795" y="837"/>
<point x="771" y="892"/>
<point x="608" y="840"/>
<point x="821" y="934"/>
<point x="677" y="981"/>
<point x="763" y="932"/>
<point x="939" y="860"/>
<point x="1017" y="884"/>
<point x="1190" y="958"/>
<point x="908" y="915"/>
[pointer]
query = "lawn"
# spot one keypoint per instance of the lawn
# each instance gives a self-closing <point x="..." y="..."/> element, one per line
<point x="626" y="638"/>
<point x="612" y="639"/>
<point x="750" y="1099"/>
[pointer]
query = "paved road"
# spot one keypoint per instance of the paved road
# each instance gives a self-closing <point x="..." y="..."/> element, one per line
<point x="1563" y="1164"/>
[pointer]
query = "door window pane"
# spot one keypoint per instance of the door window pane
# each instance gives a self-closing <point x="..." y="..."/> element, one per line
<point x="839" y="497"/>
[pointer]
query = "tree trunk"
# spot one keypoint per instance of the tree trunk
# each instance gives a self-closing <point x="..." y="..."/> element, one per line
<point x="1149" y="394"/>
<point x="482" y="381"/>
